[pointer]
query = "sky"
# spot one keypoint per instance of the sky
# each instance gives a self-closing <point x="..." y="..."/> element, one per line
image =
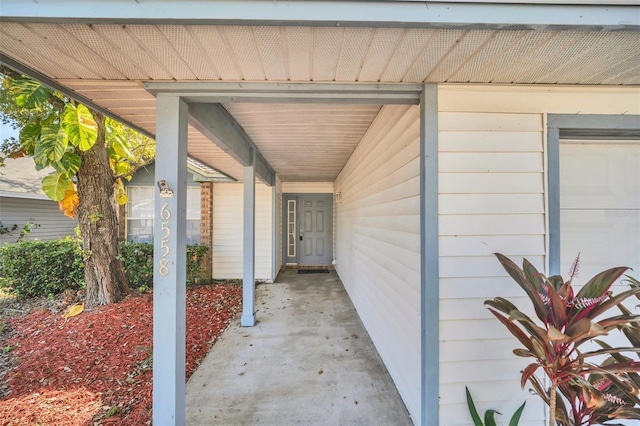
<point x="6" y="131"/>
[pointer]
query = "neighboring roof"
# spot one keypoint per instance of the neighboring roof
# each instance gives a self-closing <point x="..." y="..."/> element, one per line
<point x="20" y="179"/>
<point x="202" y="172"/>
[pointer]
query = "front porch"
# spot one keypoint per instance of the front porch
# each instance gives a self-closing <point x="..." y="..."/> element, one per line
<point x="308" y="360"/>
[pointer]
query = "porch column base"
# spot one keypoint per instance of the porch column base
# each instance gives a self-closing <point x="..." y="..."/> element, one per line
<point x="247" y="320"/>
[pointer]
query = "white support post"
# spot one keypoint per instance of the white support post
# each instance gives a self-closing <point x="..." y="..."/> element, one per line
<point x="248" y="318"/>
<point x="170" y="261"/>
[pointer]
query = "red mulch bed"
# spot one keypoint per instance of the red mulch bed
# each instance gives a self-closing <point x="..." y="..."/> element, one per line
<point x="95" y="368"/>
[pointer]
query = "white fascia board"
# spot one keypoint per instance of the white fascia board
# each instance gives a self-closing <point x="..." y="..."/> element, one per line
<point x="409" y="14"/>
<point x="27" y="195"/>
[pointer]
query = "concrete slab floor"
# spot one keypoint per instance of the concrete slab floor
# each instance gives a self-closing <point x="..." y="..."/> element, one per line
<point x="307" y="361"/>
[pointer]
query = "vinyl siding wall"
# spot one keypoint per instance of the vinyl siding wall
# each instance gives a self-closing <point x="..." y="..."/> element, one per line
<point x="378" y="242"/>
<point x="53" y="224"/>
<point x="492" y="186"/>
<point x="227" y="231"/>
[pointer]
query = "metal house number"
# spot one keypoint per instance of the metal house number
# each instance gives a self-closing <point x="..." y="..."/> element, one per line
<point x="165" y="215"/>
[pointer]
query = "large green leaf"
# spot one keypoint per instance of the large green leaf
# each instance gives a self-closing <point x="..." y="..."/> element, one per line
<point x="80" y="126"/>
<point x="29" y="135"/>
<point x="31" y="94"/>
<point x="52" y="144"/>
<point x="55" y="185"/>
<point x="118" y="143"/>
<point x="68" y="164"/>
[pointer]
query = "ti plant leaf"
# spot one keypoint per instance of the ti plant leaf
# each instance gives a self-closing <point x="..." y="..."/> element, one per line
<point x="589" y="390"/>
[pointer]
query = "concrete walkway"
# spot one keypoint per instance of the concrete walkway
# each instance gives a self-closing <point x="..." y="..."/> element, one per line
<point x="307" y="361"/>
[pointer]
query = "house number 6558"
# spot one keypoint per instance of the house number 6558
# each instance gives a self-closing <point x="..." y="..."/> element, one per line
<point x="165" y="215"/>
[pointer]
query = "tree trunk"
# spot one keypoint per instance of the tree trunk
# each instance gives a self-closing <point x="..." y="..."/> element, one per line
<point x="103" y="269"/>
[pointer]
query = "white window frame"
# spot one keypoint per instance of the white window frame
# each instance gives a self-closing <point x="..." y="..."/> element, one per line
<point x="193" y="214"/>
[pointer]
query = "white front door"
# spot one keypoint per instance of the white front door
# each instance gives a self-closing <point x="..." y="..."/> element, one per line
<point x="600" y="206"/>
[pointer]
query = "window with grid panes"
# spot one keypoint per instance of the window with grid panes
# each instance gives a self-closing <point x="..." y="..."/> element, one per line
<point x="140" y="214"/>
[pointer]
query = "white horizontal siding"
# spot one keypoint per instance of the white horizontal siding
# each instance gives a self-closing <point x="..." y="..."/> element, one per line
<point x="227" y="231"/>
<point x="492" y="199"/>
<point x="18" y="211"/>
<point x="378" y="242"/>
<point x="491" y="186"/>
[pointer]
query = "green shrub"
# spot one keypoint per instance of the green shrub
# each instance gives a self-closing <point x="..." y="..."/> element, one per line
<point x="138" y="263"/>
<point x="41" y="268"/>
<point x="195" y="256"/>
<point x="45" y="268"/>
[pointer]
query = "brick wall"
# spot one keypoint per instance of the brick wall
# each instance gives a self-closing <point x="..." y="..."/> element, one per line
<point x="206" y="226"/>
<point x="122" y="236"/>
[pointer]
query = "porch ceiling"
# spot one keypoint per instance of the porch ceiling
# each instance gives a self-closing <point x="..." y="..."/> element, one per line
<point x="271" y="53"/>
<point x="108" y="63"/>
<point x="305" y="142"/>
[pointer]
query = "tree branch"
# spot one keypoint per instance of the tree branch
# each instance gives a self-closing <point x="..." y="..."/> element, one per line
<point x="135" y="169"/>
<point x="9" y="72"/>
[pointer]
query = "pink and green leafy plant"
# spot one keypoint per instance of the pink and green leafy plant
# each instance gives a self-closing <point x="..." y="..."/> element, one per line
<point x="588" y="384"/>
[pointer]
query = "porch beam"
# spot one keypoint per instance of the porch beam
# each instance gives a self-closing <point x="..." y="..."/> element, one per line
<point x="318" y="93"/>
<point x="496" y="14"/>
<point x="248" y="318"/>
<point x="429" y="256"/>
<point x="215" y="122"/>
<point x="170" y="262"/>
